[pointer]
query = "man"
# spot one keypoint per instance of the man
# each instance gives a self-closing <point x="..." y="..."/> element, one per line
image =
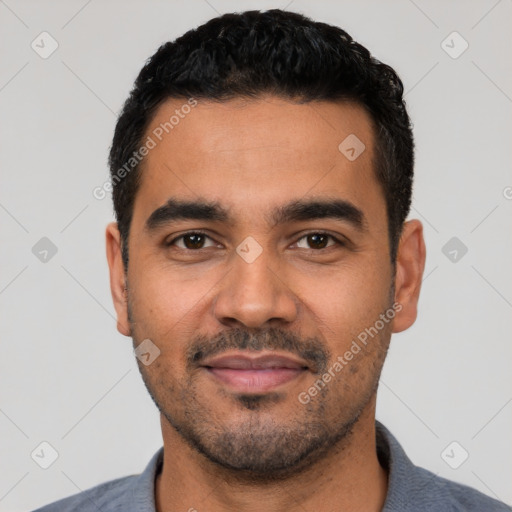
<point x="262" y="172"/>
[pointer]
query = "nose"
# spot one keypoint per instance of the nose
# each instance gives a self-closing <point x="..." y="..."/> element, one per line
<point x="255" y="295"/>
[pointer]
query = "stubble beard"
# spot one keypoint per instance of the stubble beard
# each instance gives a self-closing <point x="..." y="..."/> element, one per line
<point x="257" y="447"/>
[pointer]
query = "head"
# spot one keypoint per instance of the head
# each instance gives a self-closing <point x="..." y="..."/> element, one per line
<point x="266" y="214"/>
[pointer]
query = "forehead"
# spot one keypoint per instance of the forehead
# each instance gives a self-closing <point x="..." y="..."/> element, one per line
<point x="257" y="153"/>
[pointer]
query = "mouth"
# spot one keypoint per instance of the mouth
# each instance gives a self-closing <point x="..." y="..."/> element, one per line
<point x="247" y="373"/>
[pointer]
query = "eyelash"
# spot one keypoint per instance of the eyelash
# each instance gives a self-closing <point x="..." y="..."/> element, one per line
<point x="202" y="233"/>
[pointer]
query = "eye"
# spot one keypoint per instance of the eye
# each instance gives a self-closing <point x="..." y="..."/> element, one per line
<point x="197" y="240"/>
<point x="318" y="240"/>
<point x="193" y="240"/>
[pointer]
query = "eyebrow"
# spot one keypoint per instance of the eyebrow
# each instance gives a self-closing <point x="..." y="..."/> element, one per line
<point x="295" y="211"/>
<point x="176" y="209"/>
<point x="303" y="210"/>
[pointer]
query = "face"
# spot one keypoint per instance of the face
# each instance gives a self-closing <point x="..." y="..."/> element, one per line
<point x="258" y="260"/>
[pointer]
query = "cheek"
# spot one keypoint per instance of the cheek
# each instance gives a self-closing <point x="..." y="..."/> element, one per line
<point x="164" y="301"/>
<point x="158" y="307"/>
<point x="345" y="300"/>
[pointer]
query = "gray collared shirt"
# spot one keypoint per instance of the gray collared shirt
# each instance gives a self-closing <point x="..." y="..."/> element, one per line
<point x="410" y="488"/>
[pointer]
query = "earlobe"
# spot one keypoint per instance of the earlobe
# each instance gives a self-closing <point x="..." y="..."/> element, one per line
<point x="410" y="263"/>
<point x="117" y="277"/>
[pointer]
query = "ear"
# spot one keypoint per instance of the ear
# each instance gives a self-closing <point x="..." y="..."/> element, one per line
<point x="410" y="264"/>
<point x="117" y="277"/>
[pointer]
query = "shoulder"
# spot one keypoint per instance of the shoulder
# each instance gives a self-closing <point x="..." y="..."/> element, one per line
<point x="129" y="493"/>
<point x="108" y="496"/>
<point x="415" y="489"/>
<point x="440" y="494"/>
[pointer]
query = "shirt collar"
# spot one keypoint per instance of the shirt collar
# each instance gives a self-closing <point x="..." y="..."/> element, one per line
<point x="142" y="497"/>
<point x="404" y="478"/>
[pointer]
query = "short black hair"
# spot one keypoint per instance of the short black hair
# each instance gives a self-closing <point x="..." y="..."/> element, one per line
<point x="248" y="54"/>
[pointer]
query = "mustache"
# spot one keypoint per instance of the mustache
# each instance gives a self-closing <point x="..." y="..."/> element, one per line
<point x="311" y="349"/>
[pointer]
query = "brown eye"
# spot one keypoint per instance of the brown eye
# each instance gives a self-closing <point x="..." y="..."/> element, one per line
<point x="194" y="241"/>
<point x="318" y="241"/>
<point x="191" y="241"/>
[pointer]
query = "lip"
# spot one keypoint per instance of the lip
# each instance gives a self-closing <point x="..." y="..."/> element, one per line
<point x="255" y="373"/>
<point x="246" y="361"/>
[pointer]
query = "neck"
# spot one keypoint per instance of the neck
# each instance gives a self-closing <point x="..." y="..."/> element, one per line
<point x="349" y="477"/>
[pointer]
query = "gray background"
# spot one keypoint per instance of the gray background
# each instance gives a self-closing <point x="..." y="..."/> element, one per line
<point x="68" y="378"/>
